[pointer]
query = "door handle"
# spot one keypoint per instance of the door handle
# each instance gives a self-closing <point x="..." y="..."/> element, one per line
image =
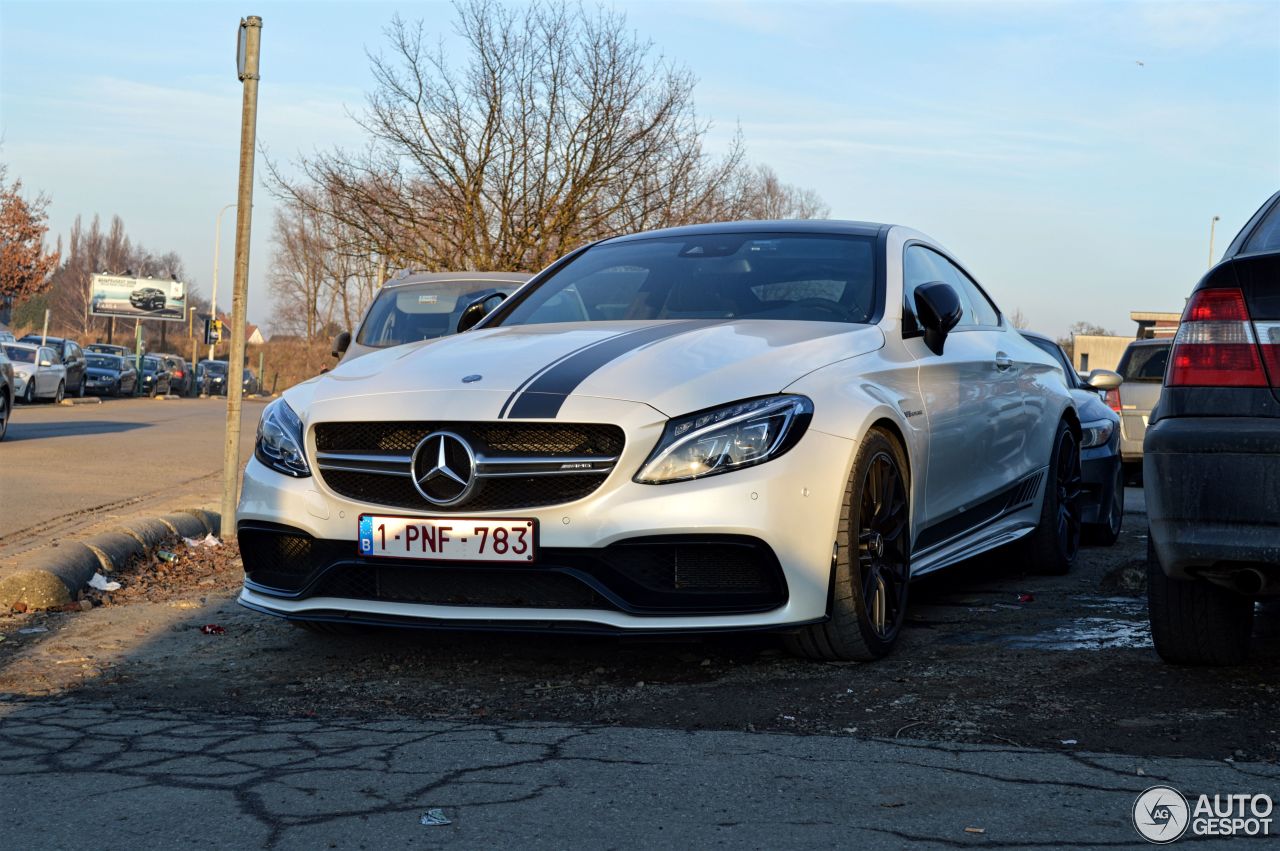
<point x="1003" y="361"/>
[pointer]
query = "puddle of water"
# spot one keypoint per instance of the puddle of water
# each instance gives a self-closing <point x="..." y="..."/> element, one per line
<point x="1086" y="634"/>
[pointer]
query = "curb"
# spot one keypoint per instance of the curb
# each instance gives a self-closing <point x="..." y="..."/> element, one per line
<point x="86" y="400"/>
<point x="53" y="577"/>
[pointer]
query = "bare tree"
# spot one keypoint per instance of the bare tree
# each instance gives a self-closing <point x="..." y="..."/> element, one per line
<point x="1018" y="319"/>
<point x="558" y="127"/>
<point x="25" y="265"/>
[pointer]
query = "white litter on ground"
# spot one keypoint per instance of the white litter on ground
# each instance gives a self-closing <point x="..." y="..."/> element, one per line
<point x="101" y="583"/>
<point x="207" y="542"/>
<point x="434" y="817"/>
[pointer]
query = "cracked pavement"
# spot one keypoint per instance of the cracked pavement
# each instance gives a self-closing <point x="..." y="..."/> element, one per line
<point x="92" y="775"/>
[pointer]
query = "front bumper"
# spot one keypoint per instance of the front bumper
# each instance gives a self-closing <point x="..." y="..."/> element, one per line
<point x="1098" y="468"/>
<point x="1213" y="492"/>
<point x="786" y="510"/>
<point x="19" y="384"/>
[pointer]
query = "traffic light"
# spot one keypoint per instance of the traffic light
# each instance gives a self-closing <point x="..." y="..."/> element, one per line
<point x="212" y="331"/>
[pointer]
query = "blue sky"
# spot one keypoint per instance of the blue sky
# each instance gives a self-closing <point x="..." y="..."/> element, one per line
<point x="1075" y="183"/>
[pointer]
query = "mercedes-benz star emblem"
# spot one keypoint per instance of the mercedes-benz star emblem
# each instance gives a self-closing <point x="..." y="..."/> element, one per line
<point x="443" y="468"/>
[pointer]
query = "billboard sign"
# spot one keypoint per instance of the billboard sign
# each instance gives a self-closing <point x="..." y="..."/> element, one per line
<point x="138" y="298"/>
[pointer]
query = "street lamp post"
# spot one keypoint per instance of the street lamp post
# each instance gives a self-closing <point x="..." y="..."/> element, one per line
<point x="1212" y="225"/>
<point x="217" y="244"/>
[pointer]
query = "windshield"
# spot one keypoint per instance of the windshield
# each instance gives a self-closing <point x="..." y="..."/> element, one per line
<point x="411" y="312"/>
<point x="150" y="364"/>
<point x="17" y="354"/>
<point x="1144" y="363"/>
<point x="103" y="361"/>
<point x="215" y="368"/>
<point x="711" y="276"/>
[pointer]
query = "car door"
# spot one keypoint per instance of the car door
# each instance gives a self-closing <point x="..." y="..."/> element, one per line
<point x="46" y="376"/>
<point x="974" y="408"/>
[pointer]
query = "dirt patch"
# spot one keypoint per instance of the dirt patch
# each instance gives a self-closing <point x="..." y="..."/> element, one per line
<point x="991" y="655"/>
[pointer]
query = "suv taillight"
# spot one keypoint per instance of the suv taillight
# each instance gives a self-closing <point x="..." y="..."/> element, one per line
<point x="1112" y="398"/>
<point x="1216" y="345"/>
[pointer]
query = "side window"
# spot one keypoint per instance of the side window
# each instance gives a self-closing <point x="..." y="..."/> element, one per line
<point x="922" y="265"/>
<point x="1266" y="236"/>
<point x="984" y="313"/>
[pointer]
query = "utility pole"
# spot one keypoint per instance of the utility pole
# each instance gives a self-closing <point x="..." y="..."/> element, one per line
<point x="1212" y="224"/>
<point x="247" y="67"/>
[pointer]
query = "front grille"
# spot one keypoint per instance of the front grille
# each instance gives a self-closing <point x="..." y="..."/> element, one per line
<point x="518" y="464"/>
<point x="549" y="439"/>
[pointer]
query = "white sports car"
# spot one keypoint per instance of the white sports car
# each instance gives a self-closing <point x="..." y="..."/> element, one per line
<point x="758" y="425"/>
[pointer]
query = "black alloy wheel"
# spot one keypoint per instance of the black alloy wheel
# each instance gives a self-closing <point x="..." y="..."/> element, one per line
<point x="1069" y="485"/>
<point x="871" y="562"/>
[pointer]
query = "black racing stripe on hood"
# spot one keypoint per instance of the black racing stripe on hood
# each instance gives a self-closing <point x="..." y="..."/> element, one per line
<point x="543" y="397"/>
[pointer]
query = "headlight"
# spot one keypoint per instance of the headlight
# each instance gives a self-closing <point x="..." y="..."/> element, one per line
<point x="279" y="443"/>
<point x="728" y="438"/>
<point x="1096" y="433"/>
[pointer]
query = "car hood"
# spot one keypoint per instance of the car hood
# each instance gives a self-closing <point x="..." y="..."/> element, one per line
<point x="102" y="372"/>
<point x="527" y="371"/>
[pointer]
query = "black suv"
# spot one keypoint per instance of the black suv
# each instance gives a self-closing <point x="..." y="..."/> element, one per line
<point x="1211" y="458"/>
<point x="72" y="358"/>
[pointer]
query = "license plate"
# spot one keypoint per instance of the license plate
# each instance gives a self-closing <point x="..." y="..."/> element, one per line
<point x="448" y="538"/>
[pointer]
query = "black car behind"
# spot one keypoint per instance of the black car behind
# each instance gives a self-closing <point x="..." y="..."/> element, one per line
<point x="155" y="376"/>
<point x="110" y="375"/>
<point x="1211" y="457"/>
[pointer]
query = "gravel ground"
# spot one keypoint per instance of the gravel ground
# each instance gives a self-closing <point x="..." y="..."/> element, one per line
<point x="990" y="655"/>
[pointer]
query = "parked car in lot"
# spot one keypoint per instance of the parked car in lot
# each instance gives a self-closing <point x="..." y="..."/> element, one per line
<point x="108" y="349"/>
<point x="735" y="426"/>
<point x="8" y="395"/>
<point x="1142" y="366"/>
<point x="148" y="298"/>
<point x="181" y="377"/>
<point x="69" y="353"/>
<point x="37" y="372"/>
<point x="423" y="306"/>
<point x="155" y="376"/>
<point x="250" y="383"/>
<point x="110" y="375"/>
<point x="1102" y="475"/>
<point x="211" y="377"/>
<point x="1212" y="457"/>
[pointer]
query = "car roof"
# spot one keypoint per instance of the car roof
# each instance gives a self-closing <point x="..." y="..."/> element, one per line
<point x="20" y="344"/>
<point x="446" y="277"/>
<point x="48" y="340"/>
<point x="1153" y="341"/>
<point x="800" y="226"/>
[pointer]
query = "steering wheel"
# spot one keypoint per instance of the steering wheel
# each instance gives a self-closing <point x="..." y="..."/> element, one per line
<point x="835" y="308"/>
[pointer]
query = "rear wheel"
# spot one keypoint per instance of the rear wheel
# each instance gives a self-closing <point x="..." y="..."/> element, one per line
<point x="872" y="561"/>
<point x="1194" y="622"/>
<point x="83" y="383"/>
<point x="1106" y="534"/>
<point x="1052" y="546"/>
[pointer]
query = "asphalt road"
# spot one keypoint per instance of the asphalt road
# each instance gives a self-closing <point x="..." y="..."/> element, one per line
<point x="65" y="468"/>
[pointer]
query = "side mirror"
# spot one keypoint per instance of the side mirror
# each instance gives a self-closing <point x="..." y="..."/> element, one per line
<point x="1104" y="379"/>
<point x="46" y="362"/>
<point x="938" y="309"/>
<point x="341" y="343"/>
<point x="479" y="309"/>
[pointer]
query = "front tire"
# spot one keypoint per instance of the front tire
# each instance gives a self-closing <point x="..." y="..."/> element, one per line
<point x="83" y="384"/>
<point x="29" y="396"/>
<point x="869" y="590"/>
<point x="61" y="394"/>
<point x="6" y="410"/>
<point x="1194" y="622"/>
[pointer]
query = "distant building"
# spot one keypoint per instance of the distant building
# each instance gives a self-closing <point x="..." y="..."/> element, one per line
<point x="1155" y="324"/>
<point x="1097" y="351"/>
<point x="253" y="335"/>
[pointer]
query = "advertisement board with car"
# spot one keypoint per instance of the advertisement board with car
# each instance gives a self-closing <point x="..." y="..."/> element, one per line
<point x="138" y="298"/>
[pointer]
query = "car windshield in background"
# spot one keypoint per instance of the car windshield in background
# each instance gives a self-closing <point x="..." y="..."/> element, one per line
<point x="152" y="365"/>
<point x="711" y="276"/>
<point x="413" y="312"/>
<point x="103" y="361"/>
<point x="17" y="354"/>
<point x="1144" y="363"/>
<point x="215" y="368"/>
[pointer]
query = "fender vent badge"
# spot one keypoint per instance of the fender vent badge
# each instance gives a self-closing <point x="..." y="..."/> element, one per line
<point x="471" y="379"/>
